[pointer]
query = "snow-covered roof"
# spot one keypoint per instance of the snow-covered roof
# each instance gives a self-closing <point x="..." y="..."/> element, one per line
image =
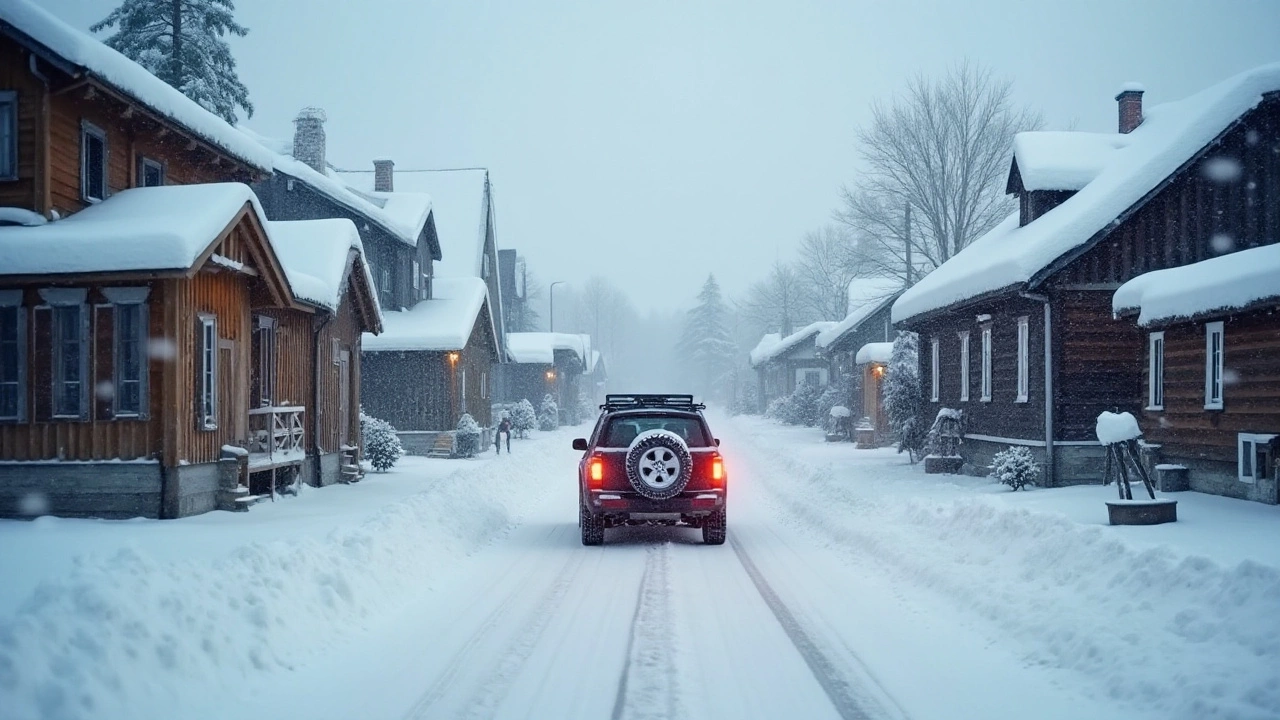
<point x="1210" y="287"/>
<point x="764" y="352"/>
<point x="866" y="297"/>
<point x="876" y="352"/>
<point x="458" y="208"/>
<point x="442" y="323"/>
<point x="153" y="228"/>
<point x="97" y="60"/>
<point x="1169" y="136"/>
<point x="315" y="254"/>
<point x="540" y="347"/>
<point x="1054" y="160"/>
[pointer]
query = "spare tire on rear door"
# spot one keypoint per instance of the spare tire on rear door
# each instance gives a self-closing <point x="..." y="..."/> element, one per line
<point x="659" y="464"/>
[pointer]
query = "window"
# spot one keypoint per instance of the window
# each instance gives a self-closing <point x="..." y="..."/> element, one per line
<point x="1024" y="359"/>
<point x="1255" y="456"/>
<point x="933" y="375"/>
<point x="1155" y="371"/>
<point x="964" y="366"/>
<point x="417" y="277"/>
<point x="93" y="163"/>
<point x="484" y="385"/>
<point x="335" y="346"/>
<point x="130" y="359"/>
<point x="986" y="364"/>
<point x="13" y="356"/>
<point x="485" y="266"/>
<point x="264" y="361"/>
<point x="384" y="284"/>
<point x="150" y="172"/>
<point x="8" y="135"/>
<point x="464" y="389"/>
<point x="1213" y="349"/>
<point x="207" y="365"/>
<point x="812" y="377"/>
<point x="70" y="361"/>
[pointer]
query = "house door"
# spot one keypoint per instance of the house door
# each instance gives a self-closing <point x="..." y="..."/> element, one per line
<point x="344" y="398"/>
<point x="232" y="413"/>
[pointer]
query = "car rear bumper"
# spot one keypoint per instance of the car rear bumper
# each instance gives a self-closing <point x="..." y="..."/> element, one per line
<point x="697" y="503"/>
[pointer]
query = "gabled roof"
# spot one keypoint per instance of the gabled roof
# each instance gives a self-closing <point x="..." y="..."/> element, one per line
<point x="318" y="258"/>
<point x="440" y="324"/>
<point x="1010" y="257"/>
<point x="79" y="54"/>
<point x="1209" y="288"/>
<point x="866" y="297"/>
<point x="764" y="352"/>
<point x="540" y="347"/>
<point x="1054" y="160"/>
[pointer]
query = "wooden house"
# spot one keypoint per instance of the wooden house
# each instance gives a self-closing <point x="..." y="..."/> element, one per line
<point x="1210" y="394"/>
<point x="782" y="363"/>
<point x="868" y="322"/>
<point x="546" y="363"/>
<point x="1017" y="329"/>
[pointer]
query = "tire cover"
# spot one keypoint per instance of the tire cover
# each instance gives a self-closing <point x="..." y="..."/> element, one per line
<point x="659" y="464"/>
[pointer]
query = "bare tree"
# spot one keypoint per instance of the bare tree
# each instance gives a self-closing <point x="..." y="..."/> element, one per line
<point x="773" y="304"/>
<point x="603" y="311"/>
<point x="522" y="314"/>
<point x="943" y="150"/>
<point x="830" y="259"/>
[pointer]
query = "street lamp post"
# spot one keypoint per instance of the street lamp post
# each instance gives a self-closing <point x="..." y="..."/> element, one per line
<point x="551" y="295"/>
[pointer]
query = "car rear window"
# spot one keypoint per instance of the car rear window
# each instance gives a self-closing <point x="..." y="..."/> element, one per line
<point x="622" y="430"/>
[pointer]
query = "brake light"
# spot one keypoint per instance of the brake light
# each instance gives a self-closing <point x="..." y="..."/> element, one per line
<point x="596" y="471"/>
<point x="717" y="469"/>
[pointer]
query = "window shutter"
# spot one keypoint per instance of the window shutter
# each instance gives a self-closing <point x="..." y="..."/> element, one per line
<point x="104" y="357"/>
<point x="41" y="387"/>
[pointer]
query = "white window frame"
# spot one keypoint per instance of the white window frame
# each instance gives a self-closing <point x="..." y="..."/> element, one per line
<point x="1213" y="364"/>
<point x="964" y="365"/>
<point x="93" y="195"/>
<point x="934" y="390"/>
<point x="8" y="135"/>
<point x="13" y="299"/>
<point x="1246" y="446"/>
<point x="1024" y="359"/>
<point x="207" y="367"/>
<point x="1155" y="371"/>
<point x="986" y="364"/>
<point x="464" y="390"/>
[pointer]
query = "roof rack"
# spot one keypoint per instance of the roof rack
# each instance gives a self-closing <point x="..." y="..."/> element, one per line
<point x="632" y="402"/>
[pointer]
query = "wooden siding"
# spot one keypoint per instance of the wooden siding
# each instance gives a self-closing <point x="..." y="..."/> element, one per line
<point x="345" y="327"/>
<point x="294" y="375"/>
<point x="25" y="191"/>
<point x="1251" y="394"/>
<point x="1098" y="360"/>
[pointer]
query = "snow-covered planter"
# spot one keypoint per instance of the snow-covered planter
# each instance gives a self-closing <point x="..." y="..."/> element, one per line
<point x="523" y="418"/>
<point x="381" y="443"/>
<point x="1015" y="467"/>
<point x="548" y="414"/>
<point x="467" y="436"/>
<point x="943" y="442"/>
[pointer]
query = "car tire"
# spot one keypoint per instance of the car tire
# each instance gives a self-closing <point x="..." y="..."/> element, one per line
<point x="659" y="465"/>
<point x="714" y="527"/>
<point x="592" y="526"/>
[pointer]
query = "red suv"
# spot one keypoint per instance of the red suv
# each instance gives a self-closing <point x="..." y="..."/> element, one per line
<point x="651" y="460"/>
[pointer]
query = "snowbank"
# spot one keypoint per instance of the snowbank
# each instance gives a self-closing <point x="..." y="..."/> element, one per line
<point x="152" y="615"/>
<point x="1214" y="286"/>
<point x="1177" y="620"/>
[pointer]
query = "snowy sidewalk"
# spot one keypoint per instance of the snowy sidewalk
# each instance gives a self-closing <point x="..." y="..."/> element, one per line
<point x="101" y="618"/>
<point x="1180" y="619"/>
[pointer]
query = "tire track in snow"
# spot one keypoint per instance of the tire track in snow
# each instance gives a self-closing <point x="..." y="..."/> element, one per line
<point x="489" y="693"/>
<point x="845" y="696"/>
<point x="649" y="685"/>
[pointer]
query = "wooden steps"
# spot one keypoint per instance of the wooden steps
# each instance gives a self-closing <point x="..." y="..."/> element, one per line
<point x="443" y="447"/>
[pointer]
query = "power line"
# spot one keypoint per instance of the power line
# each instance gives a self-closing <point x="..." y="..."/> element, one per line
<point x="335" y="168"/>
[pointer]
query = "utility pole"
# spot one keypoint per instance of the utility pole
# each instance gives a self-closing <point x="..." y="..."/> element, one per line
<point x="551" y="295"/>
<point x="907" y="232"/>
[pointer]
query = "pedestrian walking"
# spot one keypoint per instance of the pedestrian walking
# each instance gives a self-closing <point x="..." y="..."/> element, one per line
<point x="503" y="427"/>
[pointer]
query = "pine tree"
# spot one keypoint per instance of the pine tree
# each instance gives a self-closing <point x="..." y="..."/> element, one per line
<point x="902" y="400"/>
<point x="381" y="443"/>
<point x="523" y="418"/>
<point x="707" y="344"/>
<point x="181" y="42"/>
<point x="548" y="414"/>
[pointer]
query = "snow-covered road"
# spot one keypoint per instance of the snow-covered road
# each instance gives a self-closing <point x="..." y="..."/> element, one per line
<point x="852" y="586"/>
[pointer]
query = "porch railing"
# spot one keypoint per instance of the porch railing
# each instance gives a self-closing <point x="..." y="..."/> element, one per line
<point x="276" y="435"/>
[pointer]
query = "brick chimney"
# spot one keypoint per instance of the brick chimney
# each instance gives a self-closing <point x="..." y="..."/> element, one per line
<point x="384" y="176"/>
<point x="1130" y="102"/>
<point x="308" y="137"/>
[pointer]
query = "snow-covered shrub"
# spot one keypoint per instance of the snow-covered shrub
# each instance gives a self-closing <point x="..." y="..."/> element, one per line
<point x="903" y="402"/>
<point x="835" y="394"/>
<point x="467" y="436"/>
<point x="523" y="418"/>
<point x="779" y="409"/>
<point x="1015" y="467"/>
<point x="747" y="401"/>
<point x="381" y="443"/>
<point x="804" y="404"/>
<point x="548" y="414"/>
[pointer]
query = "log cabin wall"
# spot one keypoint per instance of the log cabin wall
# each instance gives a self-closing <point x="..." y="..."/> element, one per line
<point x="294" y="373"/>
<point x="477" y="360"/>
<point x="345" y="329"/>
<point x="405" y="389"/>
<point x="1206" y="440"/>
<point x="1098" y="360"/>
<point x="27" y="191"/>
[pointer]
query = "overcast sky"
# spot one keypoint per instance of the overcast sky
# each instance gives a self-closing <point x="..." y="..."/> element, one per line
<point x="654" y="142"/>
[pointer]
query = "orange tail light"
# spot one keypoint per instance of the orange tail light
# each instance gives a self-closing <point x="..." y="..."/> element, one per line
<point x="717" y="469"/>
<point x="596" y="469"/>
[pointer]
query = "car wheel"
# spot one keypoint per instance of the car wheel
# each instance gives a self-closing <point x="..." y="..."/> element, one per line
<point x="592" y="526"/>
<point x="659" y="465"/>
<point x="714" y="528"/>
